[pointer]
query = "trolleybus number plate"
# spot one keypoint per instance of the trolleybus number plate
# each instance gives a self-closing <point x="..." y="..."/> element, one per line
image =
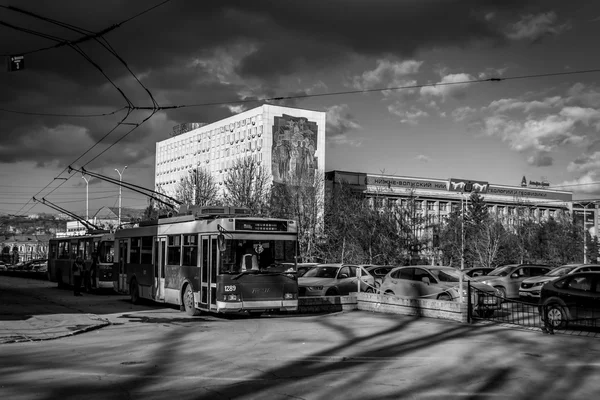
<point x="230" y="288"/>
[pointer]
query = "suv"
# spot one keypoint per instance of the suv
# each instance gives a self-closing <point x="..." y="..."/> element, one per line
<point x="507" y="278"/>
<point x="531" y="287"/>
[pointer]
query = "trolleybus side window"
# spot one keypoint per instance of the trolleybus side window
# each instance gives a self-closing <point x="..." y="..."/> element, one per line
<point x="174" y="250"/>
<point x="190" y="250"/>
<point x="135" y="250"/>
<point x="204" y="260"/>
<point x="146" y="250"/>
<point x="53" y="254"/>
<point x="63" y="249"/>
<point x="74" y="249"/>
<point x="213" y="267"/>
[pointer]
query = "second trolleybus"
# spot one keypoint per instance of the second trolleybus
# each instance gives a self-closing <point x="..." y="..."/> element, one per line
<point x="215" y="261"/>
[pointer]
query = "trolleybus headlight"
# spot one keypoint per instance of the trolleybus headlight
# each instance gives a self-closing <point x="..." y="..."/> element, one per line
<point x="231" y="297"/>
<point x="289" y="296"/>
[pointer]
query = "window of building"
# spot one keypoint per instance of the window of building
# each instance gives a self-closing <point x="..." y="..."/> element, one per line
<point x="430" y="205"/>
<point x="443" y="206"/>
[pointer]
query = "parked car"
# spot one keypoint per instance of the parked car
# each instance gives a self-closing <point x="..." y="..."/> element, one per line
<point x="378" y="272"/>
<point x="441" y="283"/>
<point x="531" y="287"/>
<point x="302" y="268"/>
<point x="3" y="266"/>
<point x="334" y="280"/>
<point x="477" y="271"/>
<point x="573" y="298"/>
<point x="507" y="278"/>
<point x="39" y="266"/>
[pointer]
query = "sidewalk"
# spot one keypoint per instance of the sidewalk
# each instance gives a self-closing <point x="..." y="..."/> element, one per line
<point x="47" y="327"/>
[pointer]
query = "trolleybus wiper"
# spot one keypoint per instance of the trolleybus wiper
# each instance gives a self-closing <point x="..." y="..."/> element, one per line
<point x="250" y="272"/>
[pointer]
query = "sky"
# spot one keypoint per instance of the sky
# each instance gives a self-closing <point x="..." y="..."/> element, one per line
<point x="440" y="117"/>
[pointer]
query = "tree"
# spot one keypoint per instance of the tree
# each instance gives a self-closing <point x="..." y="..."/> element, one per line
<point x="155" y="208"/>
<point x="303" y="201"/>
<point x="198" y="188"/>
<point x="487" y="241"/>
<point x="248" y="185"/>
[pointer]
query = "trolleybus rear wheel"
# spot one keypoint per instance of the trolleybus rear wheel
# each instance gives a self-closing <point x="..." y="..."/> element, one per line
<point x="188" y="302"/>
<point x="134" y="292"/>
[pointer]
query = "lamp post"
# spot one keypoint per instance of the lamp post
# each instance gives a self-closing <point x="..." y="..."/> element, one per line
<point x="120" y="187"/>
<point x="87" y="187"/>
<point x="463" y="200"/>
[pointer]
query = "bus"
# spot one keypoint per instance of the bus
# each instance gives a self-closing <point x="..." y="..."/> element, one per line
<point x="214" y="261"/>
<point x="63" y="251"/>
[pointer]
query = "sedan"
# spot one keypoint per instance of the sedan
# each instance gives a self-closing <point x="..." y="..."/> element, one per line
<point x="334" y="280"/>
<point x="574" y="298"/>
<point x="507" y="279"/>
<point x="531" y="287"/>
<point x="378" y="272"/>
<point x="441" y="283"/>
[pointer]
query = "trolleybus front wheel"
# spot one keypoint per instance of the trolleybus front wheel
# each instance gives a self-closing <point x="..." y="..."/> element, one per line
<point x="188" y="302"/>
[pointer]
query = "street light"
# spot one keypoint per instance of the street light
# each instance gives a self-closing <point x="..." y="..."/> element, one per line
<point x="463" y="200"/>
<point x="87" y="186"/>
<point x="120" y="187"/>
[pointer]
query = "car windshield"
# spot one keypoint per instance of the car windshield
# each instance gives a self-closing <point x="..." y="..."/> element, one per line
<point x="447" y="275"/>
<point x="321" y="272"/>
<point x="560" y="271"/>
<point x="501" y="271"/>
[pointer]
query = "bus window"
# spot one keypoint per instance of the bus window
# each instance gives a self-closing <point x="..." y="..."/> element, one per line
<point x="135" y="250"/>
<point x="107" y="252"/>
<point x="146" y="251"/>
<point x="190" y="250"/>
<point x="174" y="250"/>
<point x="73" y="246"/>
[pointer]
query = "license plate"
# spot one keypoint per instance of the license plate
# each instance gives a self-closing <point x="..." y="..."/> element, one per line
<point x="524" y="294"/>
<point x="489" y="301"/>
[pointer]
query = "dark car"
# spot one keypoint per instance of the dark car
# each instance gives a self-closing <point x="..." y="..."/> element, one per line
<point x="574" y="298"/>
<point x="379" y="272"/>
<point x="477" y="271"/>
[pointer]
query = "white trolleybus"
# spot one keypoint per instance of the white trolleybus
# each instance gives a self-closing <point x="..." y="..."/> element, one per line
<point x="63" y="251"/>
<point x="216" y="260"/>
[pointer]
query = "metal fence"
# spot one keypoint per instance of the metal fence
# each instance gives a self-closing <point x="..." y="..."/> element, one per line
<point x="554" y="315"/>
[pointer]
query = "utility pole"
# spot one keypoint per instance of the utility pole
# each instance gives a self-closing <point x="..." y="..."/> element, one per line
<point x="87" y="187"/>
<point x="120" y="187"/>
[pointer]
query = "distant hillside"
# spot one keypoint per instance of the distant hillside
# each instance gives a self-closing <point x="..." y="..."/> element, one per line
<point x="26" y="226"/>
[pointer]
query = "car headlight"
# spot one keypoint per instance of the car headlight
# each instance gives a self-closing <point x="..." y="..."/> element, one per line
<point x="538" y="284"/>
<point x="314" y="288"/>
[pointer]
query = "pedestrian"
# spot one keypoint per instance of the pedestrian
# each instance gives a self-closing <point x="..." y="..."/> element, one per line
<point x="78" y="270"/>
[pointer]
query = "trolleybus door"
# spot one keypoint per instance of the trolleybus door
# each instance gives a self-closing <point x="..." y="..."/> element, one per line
<point x="160" y="252"/>
<point x="208" y="274"/>
<point x="122" y="278"/>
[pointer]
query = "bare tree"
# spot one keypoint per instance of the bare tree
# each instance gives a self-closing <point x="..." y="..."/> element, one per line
<point x="487" y="241"/>
<point x="198" y="188"/>
<point x="248" y="185"/>
<point x="303" y="201"/>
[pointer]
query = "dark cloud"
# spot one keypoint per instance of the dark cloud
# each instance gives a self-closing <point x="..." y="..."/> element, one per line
<point x="541" y="159"/>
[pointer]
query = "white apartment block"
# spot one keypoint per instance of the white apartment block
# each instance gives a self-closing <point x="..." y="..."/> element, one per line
<point x="287" y="142"/>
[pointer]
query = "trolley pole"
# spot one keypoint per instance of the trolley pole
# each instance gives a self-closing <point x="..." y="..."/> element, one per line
<point x="120" y="188"/>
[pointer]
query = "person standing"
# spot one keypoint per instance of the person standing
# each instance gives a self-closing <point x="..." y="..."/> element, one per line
<point x="78" y="270"/>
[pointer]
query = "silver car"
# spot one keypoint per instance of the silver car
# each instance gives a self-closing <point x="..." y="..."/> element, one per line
<point x="531" y="287"/>
<point x="334" y="280"/>
<point x="441" y="283"/>
<point x="507" y="278"/>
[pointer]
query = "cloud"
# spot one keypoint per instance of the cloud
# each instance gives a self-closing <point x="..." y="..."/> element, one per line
<point x="410" y="115"/>
<point x="462" y="113"/>
<point x="387" y="74"/>
<point x="541" y="159"/>
<point x="423" y="158"/>
<point x="587" y="183"/>
<point x="533" y="27"/>
<point x="506" y="105"/>
<point x="450" y="87"/>
<point x="586" y="163"/>
<point x="339" y="122"/>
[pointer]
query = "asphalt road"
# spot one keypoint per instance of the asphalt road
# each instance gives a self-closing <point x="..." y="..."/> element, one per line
<point x="153" y="352"/>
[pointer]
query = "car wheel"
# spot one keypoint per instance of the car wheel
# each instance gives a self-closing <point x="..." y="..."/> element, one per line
<point x="556" y="316"/>
<point x="369" y="290"/>
<point x="134" y="292"/>
<point x="331" y="292"/>
<point x="502" y="291"/>
<point x="188" y="302"/>
<point x="444" y="297"/>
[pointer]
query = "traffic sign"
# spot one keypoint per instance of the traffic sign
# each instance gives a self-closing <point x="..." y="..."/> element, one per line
<point x="16" y="63"/>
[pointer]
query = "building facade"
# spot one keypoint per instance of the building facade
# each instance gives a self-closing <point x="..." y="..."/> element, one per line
<point x="286" y="142"/>
<point x="436" y="198"/>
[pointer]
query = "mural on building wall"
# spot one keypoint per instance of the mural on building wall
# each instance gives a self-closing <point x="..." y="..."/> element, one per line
<point x="294" y="148"/>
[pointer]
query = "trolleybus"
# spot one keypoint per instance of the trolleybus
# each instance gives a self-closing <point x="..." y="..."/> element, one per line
<point x="214" y="261"/>
<point x="63" y="251"/>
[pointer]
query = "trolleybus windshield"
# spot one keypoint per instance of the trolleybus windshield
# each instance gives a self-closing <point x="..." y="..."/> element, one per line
<point x="263" y="256"/>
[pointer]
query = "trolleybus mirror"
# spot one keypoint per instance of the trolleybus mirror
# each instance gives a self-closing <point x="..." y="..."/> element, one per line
<point x="221" y="242"/>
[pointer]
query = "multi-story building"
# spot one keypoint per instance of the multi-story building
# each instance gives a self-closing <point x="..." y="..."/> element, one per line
<point x="287" y="142"/>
